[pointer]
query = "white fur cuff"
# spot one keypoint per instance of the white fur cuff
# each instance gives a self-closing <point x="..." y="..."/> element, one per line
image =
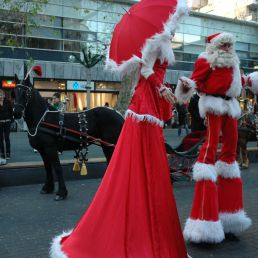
<point x="146" y="71"/>
<point x="236" y="222"/>
<point x="144" y="117"/>
<point x="203" y="231"/>
<point x="227" y="170"/>
<point x="202" y="171"/>
<point x="184" y="96"/>
<point x="55" y="248"/>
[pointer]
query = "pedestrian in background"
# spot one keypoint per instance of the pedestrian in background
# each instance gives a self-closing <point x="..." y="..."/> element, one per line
<point x="6" y="116"/>
<point x="56" y="102"/>
<point x="182" y="118"/>
<point x="197" y="122"/>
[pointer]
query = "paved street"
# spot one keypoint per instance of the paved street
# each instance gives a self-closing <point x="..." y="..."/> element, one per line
<point x="30" y="220"/>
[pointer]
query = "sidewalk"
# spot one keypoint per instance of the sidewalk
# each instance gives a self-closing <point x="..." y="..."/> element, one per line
<point x="29" y="220"/>
<point x="21" y="151"/>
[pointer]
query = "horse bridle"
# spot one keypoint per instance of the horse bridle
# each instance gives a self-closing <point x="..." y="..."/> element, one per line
<point x="28" y="96"/>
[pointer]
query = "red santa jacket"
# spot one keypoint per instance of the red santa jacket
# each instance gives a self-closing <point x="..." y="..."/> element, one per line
<point x="218" y="87"/>
<point x="215" y="81"/>
<point x="146" y="103"/>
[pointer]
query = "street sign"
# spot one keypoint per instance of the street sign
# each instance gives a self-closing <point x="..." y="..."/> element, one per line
<point x="79" y="85"/>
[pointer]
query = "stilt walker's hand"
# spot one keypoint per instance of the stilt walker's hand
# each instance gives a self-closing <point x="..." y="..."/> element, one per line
<point x="167" y="94"/>
<point x="185" y="85"/>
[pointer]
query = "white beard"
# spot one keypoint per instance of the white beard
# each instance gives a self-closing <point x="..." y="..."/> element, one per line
<point x="220" y="58"/>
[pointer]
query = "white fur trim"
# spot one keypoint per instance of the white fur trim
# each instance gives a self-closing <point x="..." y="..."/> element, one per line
<point x="144" y="117"/>
<point x="227" y="170"/>
<point x="55" y="248"/>
<point x="125" y="68"/>
<point x="146" y="71"/>
<point x="218" y="106"/>
<point x="203" y="231"/>
<point x="236" y="222"/>
<point x="254" y="80"/>
<point x="180" y="95"/>
<point x="160" y="42"/>
<point x="203" y="171"/>
<point x="236" y="84"/>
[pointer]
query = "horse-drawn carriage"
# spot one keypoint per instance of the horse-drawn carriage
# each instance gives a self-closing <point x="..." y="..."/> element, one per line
<point x="182" y="158"/>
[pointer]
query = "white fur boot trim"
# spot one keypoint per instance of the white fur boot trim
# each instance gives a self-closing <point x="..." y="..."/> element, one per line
<point x="55" y="248"/>
<point x="227" y="170"/>
<point x="203" y="171"/>
<point x="236" y="222"/>
<point x="203" y="231"/>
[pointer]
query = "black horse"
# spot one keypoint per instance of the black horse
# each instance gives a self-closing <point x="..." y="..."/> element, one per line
<point x="52" y="131"/>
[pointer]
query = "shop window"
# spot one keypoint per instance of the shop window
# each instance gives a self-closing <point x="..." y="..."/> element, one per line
<point x="12" y="28"/>
<point x="72" y="46"/>
<point x="44" y="43"/>
<point x="108" y="86"/>
<point x="50" y="85"/>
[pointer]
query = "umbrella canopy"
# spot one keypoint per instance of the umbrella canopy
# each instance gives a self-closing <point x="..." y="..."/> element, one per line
<point x="147" y="25"/>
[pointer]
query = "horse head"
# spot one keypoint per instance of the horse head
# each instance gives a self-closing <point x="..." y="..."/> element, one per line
<point x="23" y="92"/>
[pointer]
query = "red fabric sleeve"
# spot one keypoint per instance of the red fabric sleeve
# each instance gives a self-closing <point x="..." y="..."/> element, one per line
<point x="154" y="80"/>
<point x="200" y="73"/>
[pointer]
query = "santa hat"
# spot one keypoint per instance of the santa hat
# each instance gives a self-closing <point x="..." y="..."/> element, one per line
<point x="219" y="39"/>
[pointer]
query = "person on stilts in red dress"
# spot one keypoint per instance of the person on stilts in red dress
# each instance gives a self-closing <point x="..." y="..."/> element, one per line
<point x="217" y="208"/>
<point x="133" y="214"/>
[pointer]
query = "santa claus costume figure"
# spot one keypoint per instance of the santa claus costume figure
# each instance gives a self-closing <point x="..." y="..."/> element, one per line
<point x="133" y="214"/>
<point x="217" y="208"/>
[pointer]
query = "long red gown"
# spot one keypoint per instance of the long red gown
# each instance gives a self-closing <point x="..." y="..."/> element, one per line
<point x="133" y="214"/>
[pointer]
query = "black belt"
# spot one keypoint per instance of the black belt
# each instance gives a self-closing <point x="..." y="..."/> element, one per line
<point x="221" y="96"/>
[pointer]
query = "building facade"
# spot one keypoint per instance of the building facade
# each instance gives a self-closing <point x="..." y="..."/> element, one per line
<point x="66" y="26"/>
<point x="246" y="10"/>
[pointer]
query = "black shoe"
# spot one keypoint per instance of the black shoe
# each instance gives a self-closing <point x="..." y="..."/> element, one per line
<point x="8" y="156"/>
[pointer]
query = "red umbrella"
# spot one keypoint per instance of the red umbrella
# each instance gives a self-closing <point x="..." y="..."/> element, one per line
<point x="144" y="20"/>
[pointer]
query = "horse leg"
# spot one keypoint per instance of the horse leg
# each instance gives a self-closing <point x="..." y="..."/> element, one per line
<point x="108" y="151"/>
<point x="49" y="185"/>
<point x="62" y="192"/>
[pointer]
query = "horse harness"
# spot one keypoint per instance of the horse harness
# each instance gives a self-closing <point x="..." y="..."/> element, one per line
<point x="84" y="139"/>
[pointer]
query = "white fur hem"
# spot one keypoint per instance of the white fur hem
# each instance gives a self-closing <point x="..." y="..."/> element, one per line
<point x="55" y="248"/>
<point x="144" y="117"/>
<point x="219" y="106"/>
<point x="203" y="231"/>
<point x="180" y="95"/>
<point x="236" y="222"/>
<point x="253" y="77"/>
<point x="146" y="71"/>
<point x="227" y="170"/>
<point x="202" y="171"/>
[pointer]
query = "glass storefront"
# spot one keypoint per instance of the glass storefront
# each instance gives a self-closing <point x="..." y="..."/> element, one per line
<point x="76" y="99"/>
